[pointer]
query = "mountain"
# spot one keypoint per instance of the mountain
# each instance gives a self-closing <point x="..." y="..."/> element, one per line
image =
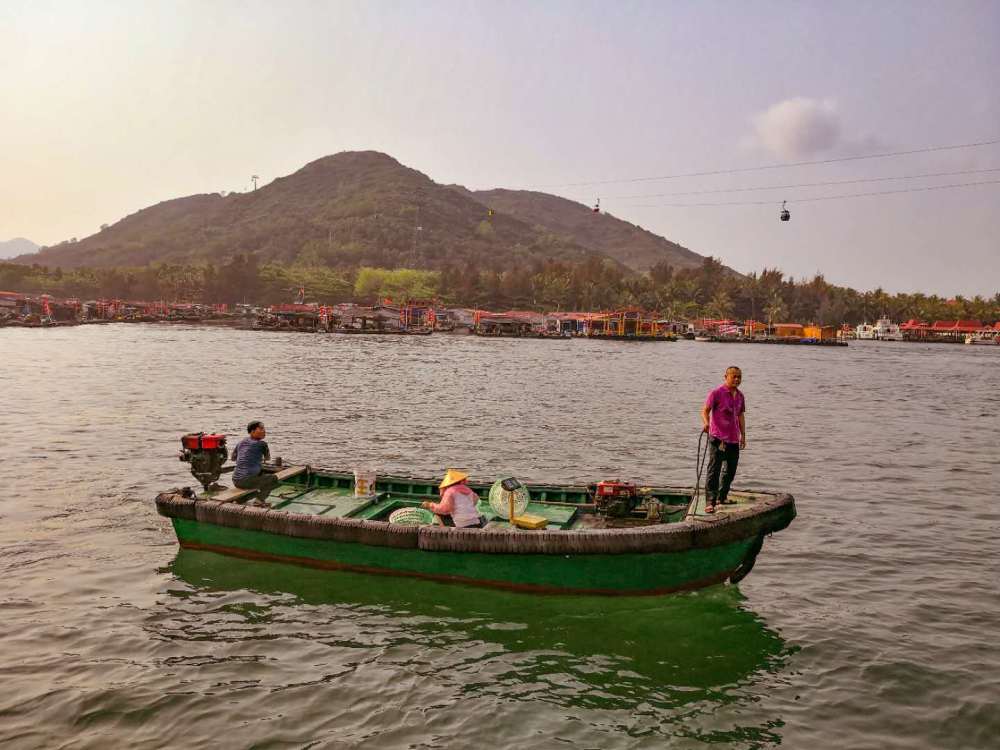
<point x="365" y="208"/>
<point x="16" y="246"/>
<point x="627" y="243"/>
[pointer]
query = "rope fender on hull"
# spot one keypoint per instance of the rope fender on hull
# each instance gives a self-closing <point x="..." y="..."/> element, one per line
<point x="762" y="518"/>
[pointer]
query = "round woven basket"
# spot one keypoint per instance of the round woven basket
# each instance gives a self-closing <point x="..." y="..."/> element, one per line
<point x="500" y="500"/>
<point x="411" y="517"/>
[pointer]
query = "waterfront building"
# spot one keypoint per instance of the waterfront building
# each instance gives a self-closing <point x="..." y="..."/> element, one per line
<point x="787" y="330"/>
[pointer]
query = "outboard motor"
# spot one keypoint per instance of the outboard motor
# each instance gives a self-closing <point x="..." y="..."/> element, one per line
<point x="616" y="499"/>
<point x="206" y="453"/>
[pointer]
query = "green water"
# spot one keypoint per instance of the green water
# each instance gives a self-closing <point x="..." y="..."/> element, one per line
<point x="657" y="661"/>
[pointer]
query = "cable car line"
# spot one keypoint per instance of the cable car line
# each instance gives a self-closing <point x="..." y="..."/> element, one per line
<point x="815" y="200"/>
<point x="739" y="170"/>
<point x="809" y="184"/>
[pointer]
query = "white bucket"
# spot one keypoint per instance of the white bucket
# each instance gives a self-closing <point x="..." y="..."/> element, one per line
<point x="364" y="482"/>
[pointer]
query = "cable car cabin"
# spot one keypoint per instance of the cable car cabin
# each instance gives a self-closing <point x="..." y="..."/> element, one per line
<point x="785" y="215"/>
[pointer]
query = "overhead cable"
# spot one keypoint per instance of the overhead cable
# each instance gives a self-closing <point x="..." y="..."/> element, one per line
<point x="806" y="184"/>
<point x="815" y="200"/>
<point x="772" y="166"/>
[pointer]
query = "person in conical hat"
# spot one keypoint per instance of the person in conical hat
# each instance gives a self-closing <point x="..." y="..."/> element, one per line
<point x="458" y="502"/>
<point x="452" y="477"/>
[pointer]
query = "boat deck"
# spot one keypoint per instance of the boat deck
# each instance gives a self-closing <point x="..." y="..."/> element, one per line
<point x="342" y="502"/>
<point x="565" y="508"/>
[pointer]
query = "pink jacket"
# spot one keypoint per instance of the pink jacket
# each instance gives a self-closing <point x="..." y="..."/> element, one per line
<point x="459" y="502"/>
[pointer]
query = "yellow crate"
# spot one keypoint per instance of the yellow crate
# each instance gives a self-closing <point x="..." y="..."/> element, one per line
<point x="530" y="522"/>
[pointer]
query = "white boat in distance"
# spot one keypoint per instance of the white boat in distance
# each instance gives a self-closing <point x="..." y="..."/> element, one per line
<point x="884" y="330"/>
<point x="864" y="332"/>
<point x="987" y="336"/>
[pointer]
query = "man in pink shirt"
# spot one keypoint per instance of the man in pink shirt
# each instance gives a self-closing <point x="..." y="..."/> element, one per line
<point x="722" y="419"/>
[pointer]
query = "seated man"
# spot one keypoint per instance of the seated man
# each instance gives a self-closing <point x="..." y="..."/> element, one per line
<point x="248" y="455"/>
<point x="458" y="502"/>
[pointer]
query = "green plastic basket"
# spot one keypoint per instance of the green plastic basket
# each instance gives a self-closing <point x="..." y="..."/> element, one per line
<point x="411" y="517"/>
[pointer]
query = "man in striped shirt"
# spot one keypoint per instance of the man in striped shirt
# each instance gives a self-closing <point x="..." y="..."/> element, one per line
<point x="249" y="456"/>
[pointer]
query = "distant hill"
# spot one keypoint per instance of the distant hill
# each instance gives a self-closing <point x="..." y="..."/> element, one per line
<point x="365" y="208"/>
<point x="627" y="243"/>
<point x="16" y="246"/>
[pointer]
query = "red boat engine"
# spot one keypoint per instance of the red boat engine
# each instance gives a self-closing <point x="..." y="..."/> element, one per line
<point x="206" y="453"/>
<point x="617" y="498"/>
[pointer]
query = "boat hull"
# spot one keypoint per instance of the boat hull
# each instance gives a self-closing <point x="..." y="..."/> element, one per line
<point x="595" y="574"/>
<point x="651" y="559"/>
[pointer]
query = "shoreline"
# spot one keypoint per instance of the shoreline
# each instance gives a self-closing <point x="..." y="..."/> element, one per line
<point x="242" y="324"/>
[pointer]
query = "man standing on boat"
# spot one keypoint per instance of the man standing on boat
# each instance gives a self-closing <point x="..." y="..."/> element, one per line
<point x="722" y="418"/>
<point x="249" y="454"/>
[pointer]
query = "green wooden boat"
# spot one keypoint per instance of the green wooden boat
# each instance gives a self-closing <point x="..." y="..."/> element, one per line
<point x="666" y="544"/>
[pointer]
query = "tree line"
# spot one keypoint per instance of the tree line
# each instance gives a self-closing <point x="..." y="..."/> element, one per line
<point x="710" y="290"/>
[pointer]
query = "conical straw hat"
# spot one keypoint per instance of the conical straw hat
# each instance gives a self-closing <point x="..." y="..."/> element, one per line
<point x="452" y="476"/>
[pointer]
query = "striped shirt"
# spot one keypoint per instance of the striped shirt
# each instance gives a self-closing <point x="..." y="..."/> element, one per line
<point x="248" y="455"/>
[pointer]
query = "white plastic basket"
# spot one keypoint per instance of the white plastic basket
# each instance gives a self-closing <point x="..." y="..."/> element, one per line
<point x="411" y="517"/>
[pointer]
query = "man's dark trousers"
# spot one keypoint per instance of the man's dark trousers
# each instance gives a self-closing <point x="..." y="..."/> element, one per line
<point x="723" y="459"/>
<point x="263" y="483"/>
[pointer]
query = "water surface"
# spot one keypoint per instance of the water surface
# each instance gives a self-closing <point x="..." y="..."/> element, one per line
<point x="871" y="622"/>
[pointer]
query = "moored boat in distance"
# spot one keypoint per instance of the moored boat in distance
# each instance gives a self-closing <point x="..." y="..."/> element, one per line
<point x="607" y="538"/>
<point x="988" y="336"/>
<point x="886" y="330"/>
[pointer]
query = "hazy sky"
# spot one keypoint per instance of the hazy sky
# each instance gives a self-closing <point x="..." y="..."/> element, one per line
<point x="109" y="107"/>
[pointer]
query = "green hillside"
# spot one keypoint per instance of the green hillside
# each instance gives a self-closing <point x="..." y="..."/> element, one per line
<point x="627" y="243"/>
<point x="346" y="210"/>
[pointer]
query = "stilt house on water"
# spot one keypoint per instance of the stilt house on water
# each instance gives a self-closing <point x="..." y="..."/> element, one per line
<point x="820" y="333"/>
<point x="517" y="323"/>
<point x="375" y="319"/>
<point x="306" y="318"/>
<point x="787" y="330"/>
<point x="628" y="323"/>
<point x="571" y="323"/>
<point x="418" y="315"/>
<point x="953" y="331"/>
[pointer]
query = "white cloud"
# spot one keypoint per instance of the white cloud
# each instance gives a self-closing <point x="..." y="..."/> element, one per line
<point x="798" y="128"/>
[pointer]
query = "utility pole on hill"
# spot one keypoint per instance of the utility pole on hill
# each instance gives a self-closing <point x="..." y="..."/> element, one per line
<point x="417" y="229"/>
<point x="254" y="178"/>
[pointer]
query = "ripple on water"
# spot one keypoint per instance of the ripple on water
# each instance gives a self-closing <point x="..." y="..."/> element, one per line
<point x="871" y="619"/>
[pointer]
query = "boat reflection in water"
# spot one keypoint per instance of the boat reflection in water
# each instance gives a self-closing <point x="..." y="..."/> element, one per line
<point x="633" y="654"/>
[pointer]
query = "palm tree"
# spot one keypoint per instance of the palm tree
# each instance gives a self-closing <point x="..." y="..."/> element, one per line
<point x="751" y="292"/>
<point x="775" y="309"/>
<point x="721" y="306"/>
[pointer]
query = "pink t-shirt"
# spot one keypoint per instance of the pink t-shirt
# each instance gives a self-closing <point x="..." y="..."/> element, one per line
<point x="725" y="409"/>
<point x="459" y="502"/>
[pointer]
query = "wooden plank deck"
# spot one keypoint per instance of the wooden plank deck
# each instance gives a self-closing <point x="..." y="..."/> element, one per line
<point x="235" y="494"/>
<point x="231" y="495"/>
<point x="291" y="471"/>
